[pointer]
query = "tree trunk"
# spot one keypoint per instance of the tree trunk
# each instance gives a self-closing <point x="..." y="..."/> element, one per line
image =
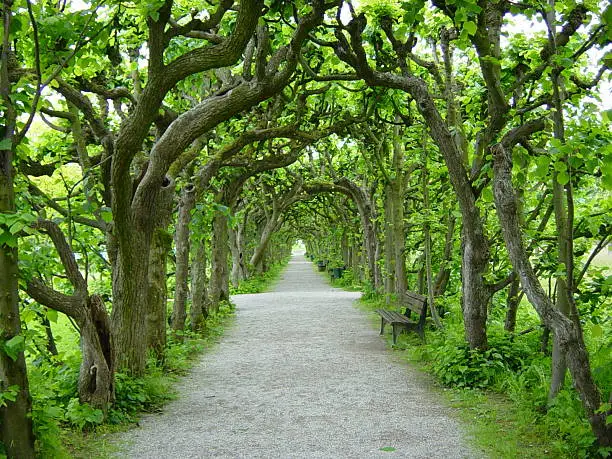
<point x="399" y="236"/>
<point x="427" y="236"/>
<point x="134" y="231"/>
<point x="370" y="236"/>
<point x="161" y="244"/>
<point x="257" y="260"/>
<point x="443" y="274"/>
<point x="97" y="374"/>
<point x="130" y="304"/>
<point x="179" y="309"/>
<point x="51" y="346"/>
<point x="563" y="293"/>
<point x="15" y="421"/>
<point x="199" y="307"/>
<point x="476" y="293"/>
<point x="15" y="418"/>
<point x="235" y="276"/>
<point x="219" y="290"/>
<point x="397" y="215"/>
<point x="512" y="304"/>
<point x="158" y="293"/>
<point x="567" y="332"/>
<point x="389" y="245"/>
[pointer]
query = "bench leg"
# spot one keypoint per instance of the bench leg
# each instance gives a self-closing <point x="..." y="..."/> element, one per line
<point x="382" y="326"/>
<point x="395" y="334"/>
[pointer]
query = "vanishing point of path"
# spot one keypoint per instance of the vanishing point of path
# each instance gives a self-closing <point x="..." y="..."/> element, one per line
<point x="302" y="373"/>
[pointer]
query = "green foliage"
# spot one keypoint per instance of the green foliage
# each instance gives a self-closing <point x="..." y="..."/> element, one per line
<point x="347" y="281"/>
<point x="14" y="346"/>
<point x="260" y="282"/>
<point x="8" y="395"/>
<point x="456" y="365"/>
<point x="12" y="224"/>
<point x="82" y="415"/>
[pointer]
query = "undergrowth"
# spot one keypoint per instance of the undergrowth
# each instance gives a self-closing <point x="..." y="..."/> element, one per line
<point x="504" y="389"/>
<point x="65" y="428"/>
<point x="260" y="282"/>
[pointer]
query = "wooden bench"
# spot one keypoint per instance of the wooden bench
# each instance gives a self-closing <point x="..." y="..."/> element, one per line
<point x="414" y="303"/>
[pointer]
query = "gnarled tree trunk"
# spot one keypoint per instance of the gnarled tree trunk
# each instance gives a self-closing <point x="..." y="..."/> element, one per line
<point x="567" y="332"/>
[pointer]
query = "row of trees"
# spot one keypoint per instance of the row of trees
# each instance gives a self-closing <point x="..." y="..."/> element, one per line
<point x="216" y="136"/>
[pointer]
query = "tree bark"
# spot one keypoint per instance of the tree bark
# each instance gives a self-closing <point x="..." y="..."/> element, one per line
<point x="179" y="309"/>
<point x="368" y="217"/>
<point x="157" y="287"/>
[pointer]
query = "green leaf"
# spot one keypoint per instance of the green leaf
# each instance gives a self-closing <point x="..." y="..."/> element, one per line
<point x="8" y="239"/>
<point x="487" y="195"/>
<point x="388" y="449"/>
<point x="606" y="175"/>
<point x="6" y="144"/>
<point x="542" y="164"/>
<point x="470" y="27"/>
<point x="52" y="315"/>
<point x="596" y="331"/>
<point x="563" y="178"/>
<point x="107" y="216"/>
<point x="14" y="346"/>
<point x="17" y="227"/>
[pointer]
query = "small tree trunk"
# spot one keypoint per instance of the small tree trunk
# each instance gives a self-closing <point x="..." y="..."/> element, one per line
<point x="15" y="418"/>
<point x="399" y="236"/>
<point x="51" y="346"/>
<point x="427" y="236"/>
<point x="443" y="272"/>
<point x="512" y="304"/>
<point x="219" y="290"/>
<point x="476" y="293"/>
<point x="235" y="276"/>
<point x="157" y="308"/>
<point x="179" y="309"/>
<point x="389" y="245"/>
<point x="158" y="293"/>
<point x="199" y="308"/>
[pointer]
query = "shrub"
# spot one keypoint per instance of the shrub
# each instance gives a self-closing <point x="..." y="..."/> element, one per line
<point x="454" y="364"/>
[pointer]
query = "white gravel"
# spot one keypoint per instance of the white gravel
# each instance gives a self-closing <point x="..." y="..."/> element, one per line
<point x="303" y="374"/>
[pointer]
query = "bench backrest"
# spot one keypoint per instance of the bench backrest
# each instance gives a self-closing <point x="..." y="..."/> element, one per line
<point x="416" y="302"/>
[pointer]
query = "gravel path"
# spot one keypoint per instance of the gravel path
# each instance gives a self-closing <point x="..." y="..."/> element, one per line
<point x="301" y="374"/>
